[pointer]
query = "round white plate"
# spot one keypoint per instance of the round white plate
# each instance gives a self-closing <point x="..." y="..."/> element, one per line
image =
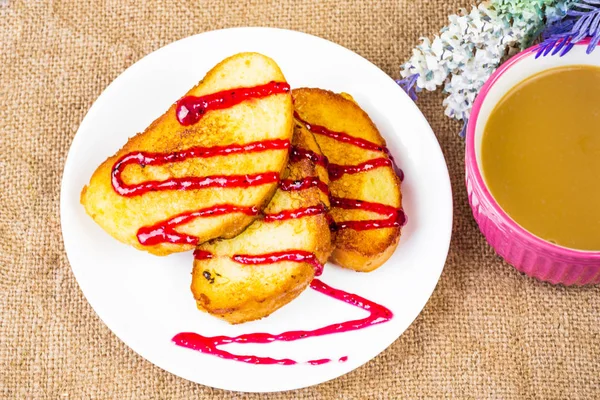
<point x="146" y="300"/>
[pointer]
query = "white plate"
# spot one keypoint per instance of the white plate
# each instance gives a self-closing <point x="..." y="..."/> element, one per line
<point x="146" y="300"/>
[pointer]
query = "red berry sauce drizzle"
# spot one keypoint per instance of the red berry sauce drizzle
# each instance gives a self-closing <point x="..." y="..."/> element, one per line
<point x="308" y="182"/>
<point x="299" y="153"/>
<point x="299" y="256"/>
<point x="190" y="110"/>
<point x="164" y="231"/>
<point x="190" y="183"/>
<point x="296" y="213"/>
<point x="394" y="217"/>
<point x="336" y="171"/>
<point x="378" y="314"/>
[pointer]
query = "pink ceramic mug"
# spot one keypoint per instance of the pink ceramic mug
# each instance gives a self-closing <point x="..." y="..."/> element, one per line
<point x="528" y="253"/>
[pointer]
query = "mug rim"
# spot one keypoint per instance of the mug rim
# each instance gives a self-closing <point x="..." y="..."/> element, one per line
<point x="471" y="162"/>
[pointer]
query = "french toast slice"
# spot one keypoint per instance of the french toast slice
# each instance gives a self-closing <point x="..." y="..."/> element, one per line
<point x="269" y="264"/>
<point x="205" y="168"/>
<point x="366" y="201"/>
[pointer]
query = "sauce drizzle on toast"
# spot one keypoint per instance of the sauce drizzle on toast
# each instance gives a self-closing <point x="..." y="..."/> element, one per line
<point x="164" y="231"/>
<point x="190" y="183"/>
<point x="296" y="213"/>
<point x="191" y="109"/>
<point x="395" y="217"/>
<point x="287" y="255"/>
<point x="289" y="185"/>
<point x="377" y="313"/>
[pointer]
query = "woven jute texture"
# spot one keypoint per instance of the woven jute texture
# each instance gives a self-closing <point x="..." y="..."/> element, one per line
<point x="487" y="332"/>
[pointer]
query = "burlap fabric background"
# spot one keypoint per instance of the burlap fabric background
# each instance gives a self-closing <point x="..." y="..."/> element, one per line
<point x="487" y="332"/>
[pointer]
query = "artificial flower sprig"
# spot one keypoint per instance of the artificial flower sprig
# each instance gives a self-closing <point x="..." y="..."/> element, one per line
<point x="470" y="48"/>
<point x="582" y="20"/>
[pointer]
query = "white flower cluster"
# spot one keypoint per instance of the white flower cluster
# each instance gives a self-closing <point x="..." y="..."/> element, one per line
<point x="462" y="57"/>
<point x="470" y="48"/>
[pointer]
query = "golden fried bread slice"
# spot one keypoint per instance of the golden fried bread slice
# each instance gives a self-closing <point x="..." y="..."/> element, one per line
<point x="365" y="191"/>
<point x="205" y="168"/>
<point x="274" y="259"/>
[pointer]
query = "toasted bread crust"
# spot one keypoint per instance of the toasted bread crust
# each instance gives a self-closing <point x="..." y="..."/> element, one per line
<point x="239" y="293"/>
<point x="363" y="250"/>
<point x="360" y="262"/>
<point x="252" y="120"/>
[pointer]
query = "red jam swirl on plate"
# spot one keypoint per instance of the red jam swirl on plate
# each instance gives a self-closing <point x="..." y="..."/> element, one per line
<point x="378" y="314"/>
